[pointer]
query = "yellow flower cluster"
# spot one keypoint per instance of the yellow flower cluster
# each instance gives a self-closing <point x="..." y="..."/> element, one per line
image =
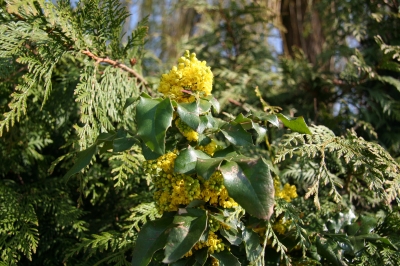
<point x="215" y="192"/>
<point x="172" y="189"/>
<point x="167" y="162"/>
<point x="213" y="243"/>
<point x="186" y="131"/>
<point x="191" y="75"/>
<point x="288" y="192"/>
<point x="282" y="226"/>
<point x="210" y="148"/>
<point x="175" y="190"/>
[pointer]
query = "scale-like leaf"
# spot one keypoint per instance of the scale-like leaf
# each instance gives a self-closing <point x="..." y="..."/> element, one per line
<point x="296" y="124"/>
<point x="252" y="189"/>
<point x="186" y="161"/>
<point x="154" y="117"/>
<point x="151" y="238"/>
<point x="187" y="232"/>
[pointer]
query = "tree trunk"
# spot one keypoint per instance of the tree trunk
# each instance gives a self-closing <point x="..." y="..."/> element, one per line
<point x="303" y="29"/>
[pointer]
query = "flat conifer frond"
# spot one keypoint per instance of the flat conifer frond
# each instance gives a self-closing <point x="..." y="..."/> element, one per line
<point x="342" y="162"/>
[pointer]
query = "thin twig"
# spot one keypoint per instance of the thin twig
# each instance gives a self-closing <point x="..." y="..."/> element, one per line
<point x="116" y="64"/>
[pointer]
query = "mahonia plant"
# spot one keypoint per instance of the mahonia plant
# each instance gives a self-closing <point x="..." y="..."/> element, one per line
<point x="205" y="189"/>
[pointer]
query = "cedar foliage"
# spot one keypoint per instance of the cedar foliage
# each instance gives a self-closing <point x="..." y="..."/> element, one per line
<point x="68" y="95"/>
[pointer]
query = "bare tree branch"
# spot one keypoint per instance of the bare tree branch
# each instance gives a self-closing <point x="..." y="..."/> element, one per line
<point x="116" y="64"/>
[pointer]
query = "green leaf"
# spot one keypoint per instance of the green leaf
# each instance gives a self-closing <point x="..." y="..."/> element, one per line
<point x="201" y="256"/>
<point x="252" y="189"/>
<point x="273" y="119"/>
<point x="123" y="144"/>
<point x="204" y="106"/>
<point x="191" y="261"/>
<point x="215" y="104"/>
<point x="83" y="160"/>
<point x="206" y="167"/>
<point x="153" y="118"/>
<point x="296" y="124"/>
<point x="149" y="154"/>
<point x="203" y="124"/>
<point x="105" y="137"/>
<point x="248" y="123"/>
<point x="252" y="244"/>
<point x="151" y="238"/>
<point x="376" y="237"/>
<point x="330" y="251"/>
<point x="226" y="258"/>
<point x="236" y="135"/>
<point x="367" y="224"/>
<point x="245" y="122"/>
<point x="189" y="114"/>
<point x="232" y="235"/>
<point x="261" y="132"/>
<point x="190" y="227"/>
<point x="186" y="161"/>
<point x="129" y="101"/>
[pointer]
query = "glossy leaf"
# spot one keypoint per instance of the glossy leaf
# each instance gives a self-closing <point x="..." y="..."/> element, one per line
<point x="232" y="235"/>
<point x="215" y="104"/>
<point x="191" y="261"/>
<point x="226" y="258"/>
<point x="296" y="124"/>
<point x="123" y="144"/>
<point x="245" y="122"/>
<point x="154" y="117"/>
<point x="203" y="124"/>
<point x="273" y="119"/>
<point x="252" y="189"/>
<point x="105" y="137"/>
<point x="186" y="161"/>
<point x="261" y="132"/>
<point x="129" y="102"/>
<point x="152" y="237"/>
<point x="189" y="114"/>
<point x="329" y="250"/>
<point x="248" y="123"/>
<point x="83" y="160"/>
<point x="204" y="106"/>
<point x="236" y="135"/>
<point x="252" y="244"/>
<point x="206" y="167"/>
<point x="188" y="230"/>
<point x="201" y="256"/>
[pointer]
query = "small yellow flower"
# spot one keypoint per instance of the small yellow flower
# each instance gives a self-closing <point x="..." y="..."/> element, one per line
<point x="186" y="131"/>
<point x="288" y="192"/>
<point x="210" y="148"/>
